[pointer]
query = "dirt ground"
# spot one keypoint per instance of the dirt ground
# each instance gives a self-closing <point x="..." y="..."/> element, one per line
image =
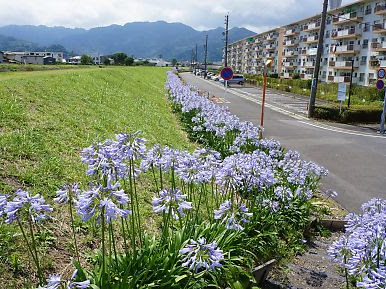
<point x="313" y="269"/>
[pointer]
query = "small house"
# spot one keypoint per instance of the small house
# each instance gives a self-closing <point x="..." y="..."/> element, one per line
<point x="33" y="59"/>
<point x="49" y="60"/>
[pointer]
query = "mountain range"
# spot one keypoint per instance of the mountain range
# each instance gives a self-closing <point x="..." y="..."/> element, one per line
<point x="140" y="39"/>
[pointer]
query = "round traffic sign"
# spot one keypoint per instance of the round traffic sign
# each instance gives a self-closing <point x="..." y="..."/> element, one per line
<point x="380" y="84"/>
<point x="381" y="73"/>
<point x="226" y="73"/>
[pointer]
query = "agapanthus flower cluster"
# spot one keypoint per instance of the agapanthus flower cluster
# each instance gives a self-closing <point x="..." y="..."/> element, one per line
<point x="173" y="201"/>
<point x="362" y="250"/>
<point x="66" y="193"/>
<point x="111" y="157"/>
<point x="266" y="166"/>
<point x="217" y="120"/>
<point x="247" y="172"/>
<point x="56" y="282"/>
<point x="235" y="216"/>
<point x="23" y="203"/>
<point x="199" y="255"/>
<point x="97" y="199"/>
<point x="300" y="172"/>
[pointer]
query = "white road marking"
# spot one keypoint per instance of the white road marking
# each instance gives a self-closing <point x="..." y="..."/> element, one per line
<point x="335" y="129"/>
<point x="300" y="118"/>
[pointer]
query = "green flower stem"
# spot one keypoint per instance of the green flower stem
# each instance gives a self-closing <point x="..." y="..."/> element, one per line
<point x="155" y="178"/>
<point x="113" y="242"/>
<point x="124" y="233"/>
<point x="137" y="204"/>
<point x="73" y="231"/>
<point x="35" y="250"/>
<point x="28" y="245"/>
<point x="132" y="212"/>
<point x="103" y="247"/>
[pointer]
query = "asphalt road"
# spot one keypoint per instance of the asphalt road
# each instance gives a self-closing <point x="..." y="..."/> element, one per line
<point x="355" y="158"/>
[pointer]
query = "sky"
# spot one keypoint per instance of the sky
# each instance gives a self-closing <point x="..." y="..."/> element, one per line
<point x="256" y="15"/>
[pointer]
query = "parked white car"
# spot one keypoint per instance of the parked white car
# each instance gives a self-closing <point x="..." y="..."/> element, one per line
<point x="216" y="77"/>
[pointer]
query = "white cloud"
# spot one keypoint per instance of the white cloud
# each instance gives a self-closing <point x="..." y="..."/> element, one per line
<point x="258" y="15"/>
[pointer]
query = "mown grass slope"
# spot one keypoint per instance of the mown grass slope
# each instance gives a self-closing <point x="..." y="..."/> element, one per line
<point x="46" y="118"/>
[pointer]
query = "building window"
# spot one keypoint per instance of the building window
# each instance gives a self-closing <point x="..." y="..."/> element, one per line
<point x="328" y="34"/>
<point x="361" y="77"/>
<point x="366" y="27"/>
<point x="368" y="10"/>
<point x="365" y="43"/>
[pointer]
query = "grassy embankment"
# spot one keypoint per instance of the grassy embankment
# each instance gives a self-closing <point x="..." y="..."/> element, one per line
<point x="10" y="67"/>
<point x="46" y="118"/>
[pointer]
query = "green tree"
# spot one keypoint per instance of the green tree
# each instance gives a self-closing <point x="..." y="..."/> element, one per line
<point x="174" y="62"/>
<point x="129" y="61"/>
<point x="85" y="60"/>
<point x="106" y="61"/>
<point x="119" y="58"/>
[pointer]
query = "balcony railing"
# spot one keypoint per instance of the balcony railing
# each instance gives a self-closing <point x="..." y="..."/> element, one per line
<point x="311" y="39"/>
<point x="311" y="27"/>
<point x="310" y="52"/>
<point x="289" y="64"/>
<point x="271" y="37"/>
<point x="270" y="47"/>
<point x="290" y="42"/>
<point x="379" y="28"/>
<point x="286" y="75"/>
<point x="309" y="64"/>
<point x="338" y="79"/>
<point x="342" y="64"/>
<point x="346" y="33"/>
<point x="344" y="49"/>
<point x="290" y="53"/>
<point x="347" y="18"/>
<point x="376" y="46"/>
<point x="380" y="9"/>
<point x="290" y="32"/>
<point x="306" y="76"/>
<point x="378" y="63"/>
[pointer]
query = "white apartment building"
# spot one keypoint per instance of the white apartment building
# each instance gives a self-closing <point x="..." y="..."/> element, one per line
<point x="355" y="36"/>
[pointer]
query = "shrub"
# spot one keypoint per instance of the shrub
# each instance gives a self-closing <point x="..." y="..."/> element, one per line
<point x="356" y="114"/>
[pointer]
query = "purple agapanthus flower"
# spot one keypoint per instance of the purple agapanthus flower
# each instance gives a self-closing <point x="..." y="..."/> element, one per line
<point x="91" y="202"/>
<point x="198" y="255"/>
<point x="173" y="201"/>
<point x="55" y="281"/>
<point x="3" y="204"/>
<point x="66" y="193"/>
<point x="362" y="250"/>
<point x="35" y="206"/>
<point x="131" y="147"/>
<point x="233" y="215"/>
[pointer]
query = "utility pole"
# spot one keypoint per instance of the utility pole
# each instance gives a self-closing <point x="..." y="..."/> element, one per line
<point x="311" y="105"/>
<point x="226" y="40"/>
<point x="206" y="55"/>
<point x="196" y="60"/>
<point x="349" y="92"/>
